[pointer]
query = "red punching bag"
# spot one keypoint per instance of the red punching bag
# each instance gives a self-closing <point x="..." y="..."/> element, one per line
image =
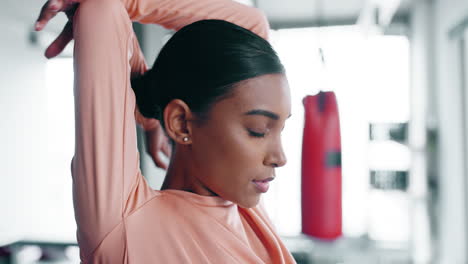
<point x="321" y="168"/>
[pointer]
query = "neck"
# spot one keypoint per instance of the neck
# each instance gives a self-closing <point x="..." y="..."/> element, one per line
<point x="182" y="174"/>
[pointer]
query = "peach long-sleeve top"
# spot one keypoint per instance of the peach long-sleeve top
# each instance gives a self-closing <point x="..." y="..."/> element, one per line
<point x="120" y="218"/>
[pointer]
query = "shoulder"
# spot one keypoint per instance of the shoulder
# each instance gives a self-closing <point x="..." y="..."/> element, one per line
<point x="162" y="205"/>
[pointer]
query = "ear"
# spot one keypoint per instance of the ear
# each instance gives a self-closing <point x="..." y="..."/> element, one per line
<point x="177" y="116"/>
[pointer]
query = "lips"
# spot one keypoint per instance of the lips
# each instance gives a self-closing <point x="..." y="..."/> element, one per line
<point x="263" y="185"/>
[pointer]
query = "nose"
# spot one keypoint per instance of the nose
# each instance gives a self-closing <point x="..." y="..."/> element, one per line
<point x="275" y="156"/>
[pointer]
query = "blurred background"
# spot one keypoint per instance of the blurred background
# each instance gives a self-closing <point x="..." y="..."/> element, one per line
<point x="399" y="69"/>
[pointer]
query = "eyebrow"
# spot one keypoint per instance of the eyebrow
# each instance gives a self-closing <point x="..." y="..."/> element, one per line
<point x="264" y="113"/>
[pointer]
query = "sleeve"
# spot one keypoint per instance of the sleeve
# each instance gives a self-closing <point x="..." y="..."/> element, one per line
<point x="107" y="182"/>
<point x="175" y="14"/>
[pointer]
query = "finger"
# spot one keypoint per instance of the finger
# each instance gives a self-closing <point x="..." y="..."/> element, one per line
<point x="159" y="161"/>
<point x="56" y="5"/>
<point x="39" y="21"/>
<point x="166" y="149"/>
<point x="50" y="9"/>
<point x="57" y="46"/>
<point x="45" y="15"/>
<point x="70" y="2"/>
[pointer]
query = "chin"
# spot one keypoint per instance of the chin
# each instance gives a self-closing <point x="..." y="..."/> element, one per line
<point x="249" y="203"/>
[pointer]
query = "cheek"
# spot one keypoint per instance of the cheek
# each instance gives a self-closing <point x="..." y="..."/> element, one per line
<point x="227" y="150"/>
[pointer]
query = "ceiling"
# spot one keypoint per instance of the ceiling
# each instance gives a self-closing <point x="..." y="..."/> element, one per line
<point x="306" y="13"/>
<point x="303" y="10"/>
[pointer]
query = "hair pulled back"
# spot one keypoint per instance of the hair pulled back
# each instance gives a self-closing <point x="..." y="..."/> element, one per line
<point x="201" y="64"/>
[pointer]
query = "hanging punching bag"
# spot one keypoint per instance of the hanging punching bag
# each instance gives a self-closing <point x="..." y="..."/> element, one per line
<point x="321" y="168"/>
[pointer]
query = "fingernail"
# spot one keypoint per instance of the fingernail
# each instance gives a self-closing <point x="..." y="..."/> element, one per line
<point x="37" y="26"/>
<point x="53" y="5"/>
<point x="48" y="54"/>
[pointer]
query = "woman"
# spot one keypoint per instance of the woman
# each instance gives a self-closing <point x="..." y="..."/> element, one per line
<point x="221" y="95"/>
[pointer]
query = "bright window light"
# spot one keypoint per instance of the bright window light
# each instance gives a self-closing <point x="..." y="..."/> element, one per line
<point x="54" y="204"/>
<point x="370" y="76"/>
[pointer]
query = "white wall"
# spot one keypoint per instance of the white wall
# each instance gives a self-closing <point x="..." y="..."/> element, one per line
<point x="35" y="187"/>
<point x="445" y="103"/>
<point x="465" y="73"/>
<point x="22" y="97"/>
<point x="21" y="82"/>
<point x="451" y="161"/>
<point x="422" y="116"/>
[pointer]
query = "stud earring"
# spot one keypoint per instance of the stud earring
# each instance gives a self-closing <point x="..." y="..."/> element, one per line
<point x="185" y="139"/>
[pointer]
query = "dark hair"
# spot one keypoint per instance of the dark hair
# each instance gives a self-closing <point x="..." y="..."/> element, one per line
<point x="201" y="64"/>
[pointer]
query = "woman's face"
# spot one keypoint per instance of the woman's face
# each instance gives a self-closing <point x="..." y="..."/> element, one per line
<point x="236" y="150"/>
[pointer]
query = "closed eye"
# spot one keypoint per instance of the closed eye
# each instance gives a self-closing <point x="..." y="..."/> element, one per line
<point x="256" y="134"/>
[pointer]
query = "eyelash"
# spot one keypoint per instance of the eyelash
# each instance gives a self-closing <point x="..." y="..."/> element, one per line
<point x="256" y="134"/>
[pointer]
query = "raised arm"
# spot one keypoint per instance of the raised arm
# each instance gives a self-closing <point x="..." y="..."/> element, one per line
<point x="107" y="183"/>
<point x="174" y="14"/>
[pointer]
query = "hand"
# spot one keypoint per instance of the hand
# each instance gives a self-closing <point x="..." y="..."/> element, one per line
<point x="157" y="141"/>
<point x="48" y="11"/>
